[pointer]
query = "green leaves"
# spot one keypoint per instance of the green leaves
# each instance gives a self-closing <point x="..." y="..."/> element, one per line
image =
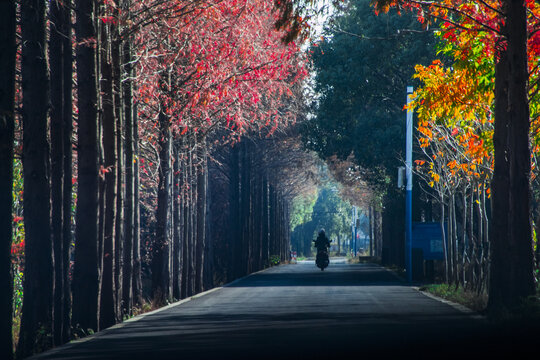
<point x="361" y="81"/>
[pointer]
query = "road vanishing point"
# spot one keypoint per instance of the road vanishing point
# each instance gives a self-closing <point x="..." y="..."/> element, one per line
<point x="296" y="311"/>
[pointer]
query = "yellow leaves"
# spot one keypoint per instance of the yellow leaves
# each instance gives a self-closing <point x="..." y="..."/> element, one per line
<point x="436" y="177"/>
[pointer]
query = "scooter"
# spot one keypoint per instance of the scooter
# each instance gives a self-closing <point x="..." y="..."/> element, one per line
<point x="322" y="259"/>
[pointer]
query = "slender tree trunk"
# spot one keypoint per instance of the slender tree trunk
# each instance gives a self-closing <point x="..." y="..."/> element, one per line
<point x="171" y="227"/>
<point x="56" y="51"/>
<point x="234" y="242"/>
<point x="185" y="227"/>
<point x="208" y="278"/>
<point x="244" y="210"/>
<point x="120" y="183"/>
<point x="137" y="280"/>
<point x="117" y="96"/>
<point x="68" y="168"/>
<point x="107" y="304"/>
<point x="129" y="182"/>
<point x="85" y="275"/>
<point x="7" y="127"/>
<point x="201" y="223"/>
<point x="266" y="226"/>
<point x="192" y="192"/>
<point x="38" y="280"/>
<point x="161" y="243"/>
<point x="176" y="244"/>
<point x="101" y="160"/>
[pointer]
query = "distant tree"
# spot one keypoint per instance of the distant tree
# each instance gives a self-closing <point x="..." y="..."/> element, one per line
<point x="331" y="212"/>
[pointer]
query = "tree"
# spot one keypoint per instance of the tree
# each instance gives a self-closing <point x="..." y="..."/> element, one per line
<point x="7" y="126"/>
<point x="60" y="54"/>
<point x="360" y="98"/>
<point x="511" y="279"/>
<point x="108" y="75"/>
<point x="38" y="281"/>
<point x="85" y="272"/>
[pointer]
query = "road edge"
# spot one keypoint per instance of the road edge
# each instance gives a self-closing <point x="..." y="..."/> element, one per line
<point x="457" y="306"/>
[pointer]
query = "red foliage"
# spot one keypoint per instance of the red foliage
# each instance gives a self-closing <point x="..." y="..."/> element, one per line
<point x="218" y="64"/>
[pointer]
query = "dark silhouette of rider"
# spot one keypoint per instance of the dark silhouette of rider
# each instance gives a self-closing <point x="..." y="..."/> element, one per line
<point x="322" y="242"/>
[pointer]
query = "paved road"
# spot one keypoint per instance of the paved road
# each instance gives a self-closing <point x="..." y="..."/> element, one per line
<point x="299" y="312"/>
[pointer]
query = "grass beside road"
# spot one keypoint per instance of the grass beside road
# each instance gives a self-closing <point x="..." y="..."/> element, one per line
<point x="527" y="312"/>
<point x="471" y="299"/>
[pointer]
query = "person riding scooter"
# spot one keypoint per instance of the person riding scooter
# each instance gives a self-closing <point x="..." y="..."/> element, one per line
<point x="322" y="244"/>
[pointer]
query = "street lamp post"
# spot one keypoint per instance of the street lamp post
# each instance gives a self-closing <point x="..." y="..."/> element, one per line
<point x="408" y="193"/>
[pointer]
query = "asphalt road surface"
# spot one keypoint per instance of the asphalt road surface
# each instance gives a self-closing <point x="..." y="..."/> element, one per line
<point x="299" y="312"/>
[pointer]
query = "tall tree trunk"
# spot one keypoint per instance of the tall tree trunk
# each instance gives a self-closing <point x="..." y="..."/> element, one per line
<point x="119" y="223"/>
<point x="160" y="249"/>
<point x="511" y="237"/>
<point x="245" y="197"/>
<point x="7" y="127"/>
<point x="192" y="191"/>
<point x="137" y="280"/>
<point x="68" y="167"/>
<point x="107" y="304"/>
<point x="117" y="76"/>
<point x="38" y="280"/>
<point x="266" y="224"/>
<point x="521" y="244"/>
<point x="128" y="206"/>
<point x="235" y="233"/>
<point x="85" y="274"/>
<point x="56" y="58"/>
<point x="129" y="105"/>
<point x="208" y="278"/>
<point x="185" y="227"/>
<point x="176" y="244"/>
<point x="201" y="217"/>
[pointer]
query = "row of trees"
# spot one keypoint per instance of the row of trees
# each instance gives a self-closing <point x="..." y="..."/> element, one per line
<point x="168" y="106"/>
<point x="324" y="210"/>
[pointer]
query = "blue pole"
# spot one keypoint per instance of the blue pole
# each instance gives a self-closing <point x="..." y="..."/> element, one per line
<point x="408" y="194"/>
<point x="355" y="232"/>
<point x="352" y="226"/>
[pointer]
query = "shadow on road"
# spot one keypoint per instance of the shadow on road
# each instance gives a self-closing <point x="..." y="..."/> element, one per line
<point x="334" y="275"/>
